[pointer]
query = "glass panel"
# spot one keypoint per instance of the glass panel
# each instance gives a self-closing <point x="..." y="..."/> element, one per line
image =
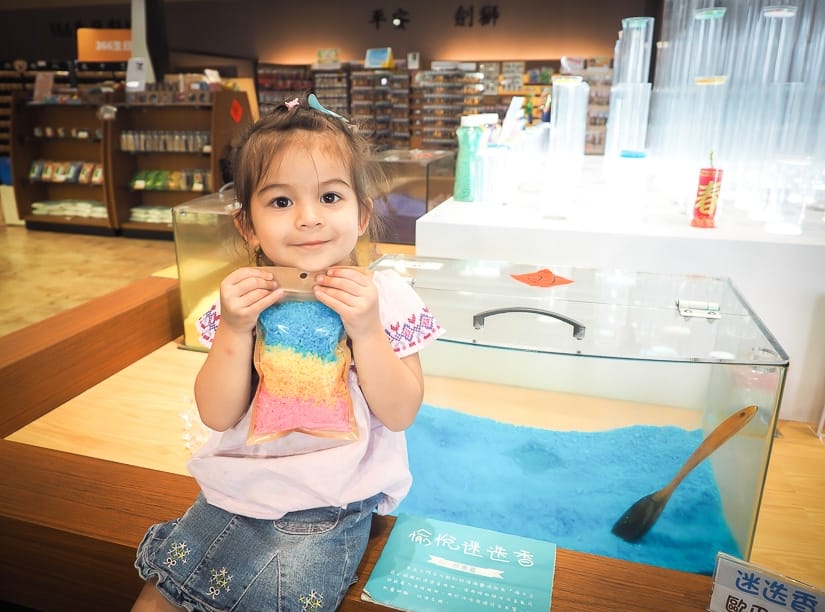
<point x="599" y="313"/>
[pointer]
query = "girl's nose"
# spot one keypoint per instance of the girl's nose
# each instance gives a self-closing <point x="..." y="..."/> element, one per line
<point x="309" y="215"/>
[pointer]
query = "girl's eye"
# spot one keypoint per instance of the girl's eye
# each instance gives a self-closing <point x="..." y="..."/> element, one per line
<point x="330" y="198"/>
<point x="281" y="202"/>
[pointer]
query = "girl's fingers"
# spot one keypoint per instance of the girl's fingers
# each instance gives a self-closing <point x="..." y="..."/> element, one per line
<point x="333" y="275"/>
<point x="239" y="284"/>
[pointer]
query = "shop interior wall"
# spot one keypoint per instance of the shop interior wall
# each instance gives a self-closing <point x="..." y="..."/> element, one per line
<point x="286" y="32"/>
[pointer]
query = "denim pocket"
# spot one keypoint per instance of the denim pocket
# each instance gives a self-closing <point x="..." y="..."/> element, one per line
<point x="309" y="522"/>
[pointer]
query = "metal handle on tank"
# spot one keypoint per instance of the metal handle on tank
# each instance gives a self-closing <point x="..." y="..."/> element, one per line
<point x="578" y="328"/>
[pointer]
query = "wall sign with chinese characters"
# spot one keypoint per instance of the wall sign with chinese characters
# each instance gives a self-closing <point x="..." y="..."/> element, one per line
<point x="465" y="16"/>
<point x="739" y="586"/>
<point x="399" y="18"/>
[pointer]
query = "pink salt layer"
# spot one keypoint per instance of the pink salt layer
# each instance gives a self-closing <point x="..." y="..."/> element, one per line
<point x="276" y="414"/>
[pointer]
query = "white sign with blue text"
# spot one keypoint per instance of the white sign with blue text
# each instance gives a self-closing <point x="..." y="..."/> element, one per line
<point x="438" y="566"/>
<point x="739" y="586"/>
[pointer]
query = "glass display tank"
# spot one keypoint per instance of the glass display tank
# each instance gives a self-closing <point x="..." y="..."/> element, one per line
<point x="207" y="248"/>
<point x="576" y="393"/>
<point x="419" y="180"/>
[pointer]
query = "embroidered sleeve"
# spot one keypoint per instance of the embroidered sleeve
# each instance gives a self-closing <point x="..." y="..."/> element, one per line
<point x="408" y="323"/>
<point x="207" y="324"/>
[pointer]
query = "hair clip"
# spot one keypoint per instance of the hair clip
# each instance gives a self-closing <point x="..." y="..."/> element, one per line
<point x="290" y="104"/>
<point x="314" y="103"/>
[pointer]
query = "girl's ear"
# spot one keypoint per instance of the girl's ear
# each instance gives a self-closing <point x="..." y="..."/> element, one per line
<point x="364" y="217"/>
<point x="246" y="232"/>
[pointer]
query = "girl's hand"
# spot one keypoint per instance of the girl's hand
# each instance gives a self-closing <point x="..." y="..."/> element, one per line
<point x="246" y="293"/>
<point x="353" y="295"/>
<point x="393" y="387"/>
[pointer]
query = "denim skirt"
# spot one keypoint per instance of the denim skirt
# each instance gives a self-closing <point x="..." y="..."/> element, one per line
<point x="210" y="559"/>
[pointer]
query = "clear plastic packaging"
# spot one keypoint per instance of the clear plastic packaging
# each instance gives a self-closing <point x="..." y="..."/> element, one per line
<point x="303" y="361"/>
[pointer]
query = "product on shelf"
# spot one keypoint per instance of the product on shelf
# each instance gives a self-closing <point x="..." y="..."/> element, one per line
<point x="70" y="208"/>
<point x="332" y="89"/>
<point x="189" y="179"/>
<point x="277" y="82"/>
<point x="172" y="141"/>
<point x="150" y="214"/>
<point x="439" y="99"/>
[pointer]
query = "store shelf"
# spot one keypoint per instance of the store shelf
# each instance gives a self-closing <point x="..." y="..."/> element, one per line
<point x="371" y="103"/>
<point x="279" y="81"/>
<point x="163" y="155"/>
<point x="439" y="98"/>
<point x="332" y="89"/>
<point x="598" y="105"/>
<point x="57" y="159"/>
<point x="136" y="167"/>
<point x="20" y="75"/>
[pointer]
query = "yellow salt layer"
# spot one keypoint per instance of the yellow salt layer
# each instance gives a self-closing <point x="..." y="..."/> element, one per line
<point x="287" y="373"/>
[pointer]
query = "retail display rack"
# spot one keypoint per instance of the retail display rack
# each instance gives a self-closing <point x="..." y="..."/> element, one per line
<point x="75" y="169"/>
<point x="380" y="101"/>
<point x="600" y="79"/>
<point x="20" y="75"/>
<point x="420" y="109"/>
<point x="439" y="99"/>
<point x="332" y="89"/>
<point x="279" y="81"/>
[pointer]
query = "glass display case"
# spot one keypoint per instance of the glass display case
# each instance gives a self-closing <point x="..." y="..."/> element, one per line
<point x="641" y="360"/>
<point x="419" y="180"/>
<point x="207" y="248"/>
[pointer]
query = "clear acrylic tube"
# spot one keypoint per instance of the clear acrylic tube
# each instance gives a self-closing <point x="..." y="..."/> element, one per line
<point x="627" y="118"/>
<point x="568" y="119"/>
<point x="766" y="123"/>
<point x="634" y="50"/>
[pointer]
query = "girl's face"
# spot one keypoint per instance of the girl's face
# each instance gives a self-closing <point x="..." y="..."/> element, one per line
<point x="305" y="212"/>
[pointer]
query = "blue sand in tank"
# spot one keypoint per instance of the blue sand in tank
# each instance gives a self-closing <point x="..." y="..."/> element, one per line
<point x="567" y="487"/>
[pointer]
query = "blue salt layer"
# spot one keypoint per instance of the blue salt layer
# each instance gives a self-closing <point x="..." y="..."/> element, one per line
<point x="567" y="487"/>
<point x="308" y="328"/>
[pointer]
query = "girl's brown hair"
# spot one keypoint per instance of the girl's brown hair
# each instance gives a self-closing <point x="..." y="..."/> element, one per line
<point x="265" y="138"/>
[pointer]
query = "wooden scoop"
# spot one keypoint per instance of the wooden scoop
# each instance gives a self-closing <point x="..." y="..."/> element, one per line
<point x="639" y="518"/>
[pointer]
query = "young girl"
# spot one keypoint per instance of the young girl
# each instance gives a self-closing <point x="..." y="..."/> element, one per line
<point x="281" y="526"/>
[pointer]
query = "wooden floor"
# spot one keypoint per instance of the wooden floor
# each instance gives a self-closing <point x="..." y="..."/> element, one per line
<point x="42" y="273"/>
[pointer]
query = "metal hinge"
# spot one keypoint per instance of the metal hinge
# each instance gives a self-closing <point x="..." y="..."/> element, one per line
<point x="694" y="308"/>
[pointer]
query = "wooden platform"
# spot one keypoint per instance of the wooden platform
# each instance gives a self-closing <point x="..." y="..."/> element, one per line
<point x="66" y="518"/>
<point x="69" y="524"/>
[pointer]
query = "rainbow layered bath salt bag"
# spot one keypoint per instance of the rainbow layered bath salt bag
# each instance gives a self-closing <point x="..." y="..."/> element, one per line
<point x="303" y="361"/>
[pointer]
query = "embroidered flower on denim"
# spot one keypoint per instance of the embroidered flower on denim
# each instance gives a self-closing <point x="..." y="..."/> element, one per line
<point x="179" y="551"/>
<point x="313" y="601"/>
<point x="218" y="581"/>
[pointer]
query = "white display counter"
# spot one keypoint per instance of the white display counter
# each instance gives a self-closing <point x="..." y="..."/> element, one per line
<point x="782" y="277"/>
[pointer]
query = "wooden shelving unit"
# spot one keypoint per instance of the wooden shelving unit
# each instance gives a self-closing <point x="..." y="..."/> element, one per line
<point x="19" y="75"/>
<point x="177" y="149"/>
<point x="162" y="155"/>
<point x="11" y="81"/>
<point x="57" y="155"/>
